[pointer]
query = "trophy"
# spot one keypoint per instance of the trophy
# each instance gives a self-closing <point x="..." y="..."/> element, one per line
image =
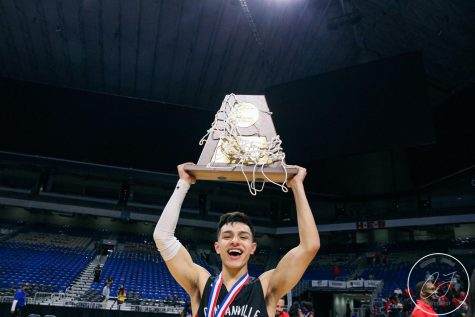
<point x="242" y="145"/>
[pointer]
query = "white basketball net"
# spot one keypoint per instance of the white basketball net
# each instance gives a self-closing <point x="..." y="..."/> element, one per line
<point x="244" y="152"/>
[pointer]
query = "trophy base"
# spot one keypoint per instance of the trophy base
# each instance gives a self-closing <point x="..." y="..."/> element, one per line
<point x="235" y="174"/>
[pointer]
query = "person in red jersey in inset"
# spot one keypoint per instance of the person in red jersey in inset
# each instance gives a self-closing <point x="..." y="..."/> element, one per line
<point x="428" y="295"/>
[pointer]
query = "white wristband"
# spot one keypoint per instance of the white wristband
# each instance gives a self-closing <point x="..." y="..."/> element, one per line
<point x="164" y="234"/>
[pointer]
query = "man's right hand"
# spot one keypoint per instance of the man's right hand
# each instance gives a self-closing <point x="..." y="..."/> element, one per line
<point x="190" y="179"/>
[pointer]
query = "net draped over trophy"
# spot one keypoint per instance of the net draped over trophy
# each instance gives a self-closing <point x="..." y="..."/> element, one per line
<point x="242" y="145"/>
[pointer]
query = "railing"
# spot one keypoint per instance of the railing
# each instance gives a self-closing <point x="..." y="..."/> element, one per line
<point x="67" y="300"/>
<point x="6" y="299"/>
<point x="51" y="298"/>
<point x="92" y="305"/>
<point x="358" y="312"/>
<point x="301" y="287"/>
<point x="156" y="309"/>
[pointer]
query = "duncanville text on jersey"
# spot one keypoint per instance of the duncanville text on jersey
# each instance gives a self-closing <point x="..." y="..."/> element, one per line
<point x="239" y="310"/>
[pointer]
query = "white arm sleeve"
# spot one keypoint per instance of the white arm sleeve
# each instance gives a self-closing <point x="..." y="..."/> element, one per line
<point x="164" y="234"/>
<point x="14" y="305"/>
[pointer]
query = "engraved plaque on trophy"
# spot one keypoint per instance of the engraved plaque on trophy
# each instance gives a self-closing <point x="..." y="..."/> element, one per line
<point x="242" y="144"/>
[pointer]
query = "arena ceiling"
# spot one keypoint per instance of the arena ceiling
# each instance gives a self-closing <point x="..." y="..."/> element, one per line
<point x="194" y="52"/>
<point x="187" y="55"/>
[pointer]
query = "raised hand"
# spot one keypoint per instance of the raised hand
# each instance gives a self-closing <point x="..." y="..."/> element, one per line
<point x="190" y="179"/>
<point x="299" y="178"/>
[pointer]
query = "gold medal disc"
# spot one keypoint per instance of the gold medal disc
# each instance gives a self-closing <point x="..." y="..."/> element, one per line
<point x="244" y="114"/>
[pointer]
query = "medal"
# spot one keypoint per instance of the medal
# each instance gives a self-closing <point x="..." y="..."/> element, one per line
<point x="213" y="297"/>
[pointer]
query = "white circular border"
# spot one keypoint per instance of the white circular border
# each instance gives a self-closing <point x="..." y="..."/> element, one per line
<point x="466" y="272"/>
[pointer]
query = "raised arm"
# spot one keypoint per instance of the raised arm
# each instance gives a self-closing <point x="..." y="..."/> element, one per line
<point x="292" y="266"/>
<point x="178" y="260"/>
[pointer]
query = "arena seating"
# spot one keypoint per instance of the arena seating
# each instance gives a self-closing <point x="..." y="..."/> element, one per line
<point x="52" y="239"/>
<point x="395" y="272"/>
<point x="394" y="275"/>
<point x="50" y="262"/>
<point x="143" y="273"/>
<point x="43" y="265"/>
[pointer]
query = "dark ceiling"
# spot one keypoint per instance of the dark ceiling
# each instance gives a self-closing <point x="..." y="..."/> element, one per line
<point x="180" y="58"/>
<point x="194" y="52"/>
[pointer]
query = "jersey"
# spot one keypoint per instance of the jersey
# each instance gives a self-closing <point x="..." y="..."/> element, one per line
<point x="423" y="310"/>
<point x="249" y="302"/>
<point x="20" y="296"/>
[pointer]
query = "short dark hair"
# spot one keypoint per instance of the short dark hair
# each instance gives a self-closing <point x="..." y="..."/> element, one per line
<point x="235" y="216"/>
<point x="420" y="286"/>
<point x="294" y="309"/>
<point x="308" y="306"/>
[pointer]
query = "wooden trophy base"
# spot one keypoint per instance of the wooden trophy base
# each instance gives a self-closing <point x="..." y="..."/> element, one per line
<point x="235" y="174"/>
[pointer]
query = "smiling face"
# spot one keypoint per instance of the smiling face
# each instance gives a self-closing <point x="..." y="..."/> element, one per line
<point x="235" y="245"/>
<point x="280" y="307"/>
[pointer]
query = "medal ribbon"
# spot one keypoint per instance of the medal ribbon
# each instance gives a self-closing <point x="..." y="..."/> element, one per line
<point x="213" y="297"/>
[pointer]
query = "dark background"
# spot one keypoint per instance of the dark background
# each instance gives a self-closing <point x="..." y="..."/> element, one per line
<point x="365" y="130"/>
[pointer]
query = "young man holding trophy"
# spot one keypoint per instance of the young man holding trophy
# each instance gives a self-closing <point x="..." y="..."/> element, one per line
<point x="233" y="292"/>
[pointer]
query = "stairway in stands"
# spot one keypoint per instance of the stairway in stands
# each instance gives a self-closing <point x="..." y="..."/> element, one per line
<point x="84" y="281"/>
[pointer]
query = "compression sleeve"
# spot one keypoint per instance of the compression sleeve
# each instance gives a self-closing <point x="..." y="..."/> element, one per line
<point x="164" y="234"/>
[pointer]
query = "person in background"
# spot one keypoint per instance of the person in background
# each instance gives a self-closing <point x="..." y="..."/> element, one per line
<point x="110" y="280"/>
<point x="121" y="296"/>
<point x="106" y="294"/>
<point x="97" y="273"/>
<point x="19" y="301"/>
<point x="336" y="271"/>
<point x="186" y="312"/>
<point x="428" y="295"/>
<point x="460" y="304"/>
<point x="294" y="310"/>
<point x="471" y="299"/>
<point x="279" y="310"/>
<point x="306" y="309"/>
